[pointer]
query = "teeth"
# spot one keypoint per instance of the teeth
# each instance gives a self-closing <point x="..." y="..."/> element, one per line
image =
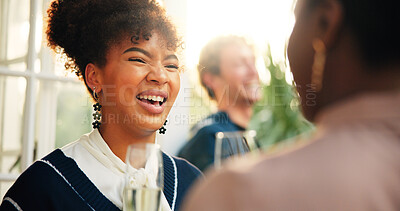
<point x="151" y="97"/>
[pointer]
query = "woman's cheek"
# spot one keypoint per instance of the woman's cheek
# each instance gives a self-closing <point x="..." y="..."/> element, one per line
<point x="175" y="84"/>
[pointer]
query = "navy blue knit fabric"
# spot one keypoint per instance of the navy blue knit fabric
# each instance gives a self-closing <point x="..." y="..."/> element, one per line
<point x="41" y="187"/>
<point x="200" y="149"/>
<point x="187" y="174"/>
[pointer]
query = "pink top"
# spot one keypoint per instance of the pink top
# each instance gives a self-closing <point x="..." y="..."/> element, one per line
<point x="351" y="163"/>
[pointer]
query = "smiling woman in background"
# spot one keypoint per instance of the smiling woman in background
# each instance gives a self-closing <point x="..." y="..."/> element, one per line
<point x="124" y="51"/>
<point x="345" y="59"/>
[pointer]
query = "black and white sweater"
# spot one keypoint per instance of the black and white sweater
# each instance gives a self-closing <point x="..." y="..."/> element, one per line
<point x="57" y="183"/>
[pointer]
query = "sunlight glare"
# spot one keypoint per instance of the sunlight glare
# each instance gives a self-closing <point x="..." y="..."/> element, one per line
<point x="264" y="22"/>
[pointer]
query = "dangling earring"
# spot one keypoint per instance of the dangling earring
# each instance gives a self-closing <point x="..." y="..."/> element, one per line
<point x="318" y="67"/>
<point x="97" y="108"/>
<point x="163" y="129"/>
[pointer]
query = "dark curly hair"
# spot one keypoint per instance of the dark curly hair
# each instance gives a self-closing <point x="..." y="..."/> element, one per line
<point x="84" y="30"/>
<point x="210" y="55"/>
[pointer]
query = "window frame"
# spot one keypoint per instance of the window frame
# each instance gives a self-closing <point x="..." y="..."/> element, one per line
<point x="44" y="115"/>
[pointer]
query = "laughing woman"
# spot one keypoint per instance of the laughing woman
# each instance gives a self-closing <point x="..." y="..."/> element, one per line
<point x="124" y="51"/>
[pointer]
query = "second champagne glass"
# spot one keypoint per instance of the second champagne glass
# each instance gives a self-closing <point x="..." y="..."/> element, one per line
<point x="233" y="144"/>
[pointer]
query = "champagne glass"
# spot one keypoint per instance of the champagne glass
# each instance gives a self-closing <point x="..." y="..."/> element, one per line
<point x="144" y="177"/>
<point x="233" y="144"/>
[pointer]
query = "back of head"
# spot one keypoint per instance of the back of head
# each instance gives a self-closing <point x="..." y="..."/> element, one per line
<point x="210" y="56"/>
<point x="374" y="26"/>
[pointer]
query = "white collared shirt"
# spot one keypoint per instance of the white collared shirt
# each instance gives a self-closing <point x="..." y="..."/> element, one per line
<point x="101" y="166"/>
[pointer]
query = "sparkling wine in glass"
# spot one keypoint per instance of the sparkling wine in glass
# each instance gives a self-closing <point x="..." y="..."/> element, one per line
<point x="144" y="178"/>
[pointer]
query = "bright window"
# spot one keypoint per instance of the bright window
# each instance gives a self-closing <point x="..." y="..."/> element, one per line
<point x="40" y="108"/>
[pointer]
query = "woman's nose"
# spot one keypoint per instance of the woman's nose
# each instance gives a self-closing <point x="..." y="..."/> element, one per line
<point x="158" y="74"/>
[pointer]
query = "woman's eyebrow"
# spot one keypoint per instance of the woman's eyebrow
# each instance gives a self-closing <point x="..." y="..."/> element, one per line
<point x="138" y="50"/>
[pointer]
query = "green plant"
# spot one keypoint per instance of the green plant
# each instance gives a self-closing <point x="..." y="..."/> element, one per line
<point x="276" y="117"/>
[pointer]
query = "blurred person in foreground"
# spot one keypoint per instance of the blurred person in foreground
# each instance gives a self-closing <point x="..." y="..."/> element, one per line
<point x="125" y="52"/>
<point x="345" y="59"/>
<point x="227" y="71"/>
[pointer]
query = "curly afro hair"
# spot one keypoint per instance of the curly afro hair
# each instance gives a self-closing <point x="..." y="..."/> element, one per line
<point x="84" y="30"/>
